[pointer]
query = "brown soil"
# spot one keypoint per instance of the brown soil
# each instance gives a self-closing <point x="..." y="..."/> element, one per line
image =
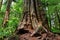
<point x="25" y="34"/>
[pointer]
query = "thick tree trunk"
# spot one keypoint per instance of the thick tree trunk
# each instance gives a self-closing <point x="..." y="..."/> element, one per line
<point x="33" y="16"/>
<point x="30" y="16"/>
<point x="25" y="15"/>
<point x="7" y="12"/>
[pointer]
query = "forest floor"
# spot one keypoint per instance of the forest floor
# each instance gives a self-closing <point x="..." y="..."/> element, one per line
<point x="25" y="34"/>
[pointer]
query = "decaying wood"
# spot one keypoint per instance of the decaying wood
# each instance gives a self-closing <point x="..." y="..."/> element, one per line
<point x="7" y="12"/>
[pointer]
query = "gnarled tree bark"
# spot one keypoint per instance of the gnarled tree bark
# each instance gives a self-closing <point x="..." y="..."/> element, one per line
<point x="33" y="16"/>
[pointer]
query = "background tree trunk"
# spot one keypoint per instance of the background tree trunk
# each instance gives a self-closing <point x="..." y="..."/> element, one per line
<point x="7" y="12"/>
<point x="1" y="4"/>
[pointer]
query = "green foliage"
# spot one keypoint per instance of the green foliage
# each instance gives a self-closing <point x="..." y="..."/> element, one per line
<point x="52" y="9"/>
<point x="52" y="13"/>
<point x="15" y="15"/>
<point x="51" y="2"/>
